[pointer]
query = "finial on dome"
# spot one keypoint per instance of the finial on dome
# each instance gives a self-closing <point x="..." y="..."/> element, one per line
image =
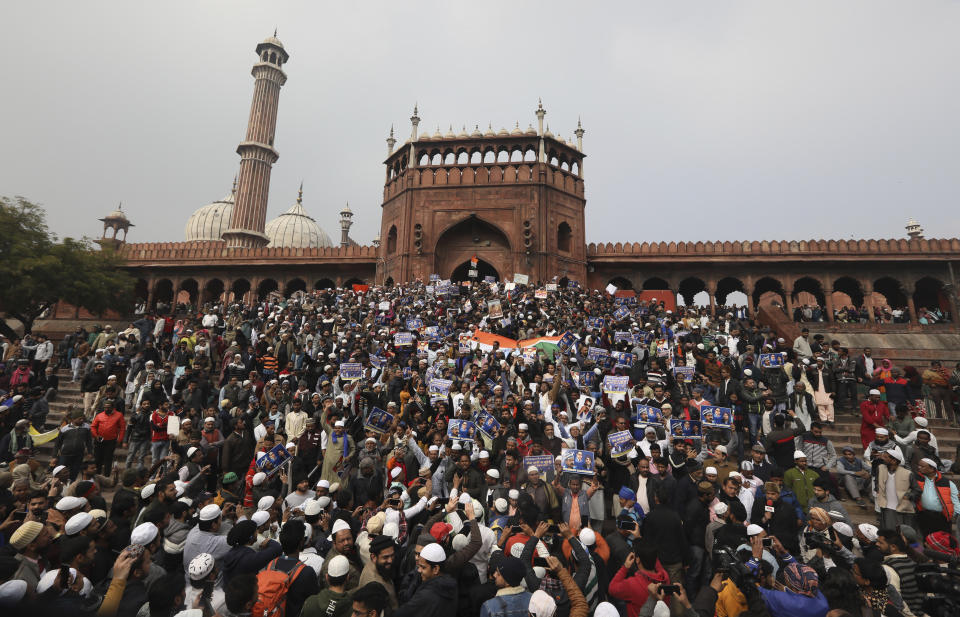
<point x="391" y="131"/>
<point x="300" y="194"/>
<point x="233" y="191"/>
<point x="274" y="33"/>
<point x="539" y="103"/>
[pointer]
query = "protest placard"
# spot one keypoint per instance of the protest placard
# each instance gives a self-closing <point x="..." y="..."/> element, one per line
<point x="173" y="424"/>
<point x="378" y="421"/>
<point x="573" y="284"/>
<point x="596" y="354"/>
<point x="623" y="358"/>
<point x="407" y="372"/>
<point x="494" y="309"/>
<point x="684" y="373"/>
<point x="487" y="424"/>
<point x="521" y="279"/>
<point x="385" y="305"/>
<point x="566" y="342"/>
<point x="595" y="322"/>
<point x="621" y="313"/>
<point x="540" y="294"/>
<point x="439" y="387"/>
<point x="645" y="415"/>
<point x="414" y="324"/>
<point x="551" y="286"/>
<point x="615" y="384"/>
<point x="489" y="279"/>
<point x="403" y="339"/>
<point x="716" y="417"/>
<point x="274" y="460"/>
<point x="611" y="289"/>
<point x="577" y="461"/>
<point x="687" y="429"/>
<point x="543" y="462"/>
<point x="620" y="443"/>
<point x="771" y="360"/>
<point x="350" y="371"/>
<point x="461" y="430"/>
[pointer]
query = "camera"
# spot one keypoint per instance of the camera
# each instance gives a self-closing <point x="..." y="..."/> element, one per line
<point x="726" y="562"/>
<point x="943" y="585"/>
<point x="816" y="540"/>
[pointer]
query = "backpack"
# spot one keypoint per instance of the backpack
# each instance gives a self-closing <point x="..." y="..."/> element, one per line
<point x="272" y="588"/>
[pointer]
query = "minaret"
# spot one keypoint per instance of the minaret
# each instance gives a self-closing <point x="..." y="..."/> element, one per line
<point x="541" y="112"/>
<point x="579" y="133"/>
<point x="346" y="220"/>
<point x="914" y="231"/>
<point x="391" y="142"/>
<point x="414" y="123"/>
<point x="256" y="151"/>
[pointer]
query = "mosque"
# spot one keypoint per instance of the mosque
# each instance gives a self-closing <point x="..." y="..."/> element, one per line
<point x="498" y="203"/>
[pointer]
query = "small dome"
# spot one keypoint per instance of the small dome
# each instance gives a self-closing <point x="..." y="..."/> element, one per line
<point x="118" y="215"/>
<point x="208" y="223"/>
<point x="489" y="132"/>
<point x="296" y="229"/>
<point x="517" y="130"/>
<point x="449" y="134"/>
<point x="436" y="134"/>
<point x="547" y="133"/>
<point x="531" y="130"/>
<point x="272" y="40"/>
<point x="476" y="132"/>
<point x="463" y="132"/>
<point x="503" y="131"/>
<point x="424" y="137"/>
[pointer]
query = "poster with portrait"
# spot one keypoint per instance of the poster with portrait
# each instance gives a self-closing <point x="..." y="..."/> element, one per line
<point x="621" y="313"/>
<point x="646" y="415"/>
<point x="595" y="322"/>
<point x="684" y="373"/>
<point x="615" y="384"/>
<point x="573" y="284"/>
<point x="597" y="354"/>
<point x="461" y="430"/>
<point x="585" y="409"/>
<point x="439" y="388"/>
<point x="351" y="371"/>
<point x="487" y="424"/>
<point x="273" y="460"/>
<point x="407" y="372"/>
<point x="686" y="429"/>
<point x="582" y="379"/>
<point x="551" y="286"/>
<point x="622" y="336"/>
<point x="566" y="342"/>
<point x="489" y="279"/>
<point x="403" y="339"/>
<point x="771" y="360"/>
<point x="494" y="310"/>
<point x="716" y="417"/>
<point x="577" y="461"/>
<point x="377" y="361"/>
<point x="620" y="442"/>
<point x="622" y="358"/>
<point x="414" y="324"/>
<point x="378" y="421"/>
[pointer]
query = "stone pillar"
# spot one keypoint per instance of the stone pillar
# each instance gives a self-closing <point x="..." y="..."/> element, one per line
<point x="788" y="298"/>
<point x="828" y="299"/>
<point x="712" y="291"/>
<point x="912" y="308"/>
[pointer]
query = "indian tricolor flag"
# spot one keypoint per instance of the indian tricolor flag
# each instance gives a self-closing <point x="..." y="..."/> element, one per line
<point x="474" y="261"/>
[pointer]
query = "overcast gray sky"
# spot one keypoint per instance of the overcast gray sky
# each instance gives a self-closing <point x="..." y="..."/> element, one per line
<point x="705" y="120"/>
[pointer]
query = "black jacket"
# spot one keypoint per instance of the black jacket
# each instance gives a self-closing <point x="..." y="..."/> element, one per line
<point x="245" y="560"/>
<point x="435" y="598"/>
<point x="664" y="526"/>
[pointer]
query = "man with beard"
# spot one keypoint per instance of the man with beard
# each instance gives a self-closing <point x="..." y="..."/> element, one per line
<point x="380" y="568"/>
<point x="343" y="544"/>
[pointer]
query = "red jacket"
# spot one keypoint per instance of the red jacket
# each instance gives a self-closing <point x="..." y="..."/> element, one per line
<point x="108" y="427"/>
<point x="633" y="589"/>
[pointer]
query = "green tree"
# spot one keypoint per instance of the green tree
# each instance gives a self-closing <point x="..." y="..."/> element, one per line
<point x="37" y="269"/>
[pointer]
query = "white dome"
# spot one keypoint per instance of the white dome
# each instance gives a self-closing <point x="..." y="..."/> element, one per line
<point x="208" y="223"/>
<point x="296" y="229"/>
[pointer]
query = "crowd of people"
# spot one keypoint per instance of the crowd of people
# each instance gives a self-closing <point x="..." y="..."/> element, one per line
<point x="442" y="449"/>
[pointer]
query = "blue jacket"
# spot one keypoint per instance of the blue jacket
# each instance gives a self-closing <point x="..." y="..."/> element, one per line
<point x="507" y="605"/>
<point x="789" y="604"/>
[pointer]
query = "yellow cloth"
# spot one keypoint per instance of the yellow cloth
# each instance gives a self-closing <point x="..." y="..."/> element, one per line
<point x="41" y="438"/>
<point x="730" y="601"/>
